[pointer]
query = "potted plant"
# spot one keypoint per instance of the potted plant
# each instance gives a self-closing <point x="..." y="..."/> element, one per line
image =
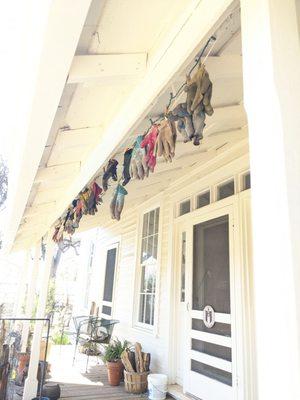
<point x="112" y="358"/>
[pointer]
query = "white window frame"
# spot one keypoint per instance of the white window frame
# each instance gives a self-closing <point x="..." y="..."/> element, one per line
<point x="136" y="324"/>
<point x="116" y="246"/>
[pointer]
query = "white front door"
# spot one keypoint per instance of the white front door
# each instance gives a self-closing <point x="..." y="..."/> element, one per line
<point x="209" y="361"/>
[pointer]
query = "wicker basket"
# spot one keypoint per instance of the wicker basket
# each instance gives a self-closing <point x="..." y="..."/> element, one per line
<point x="136" y="382"/>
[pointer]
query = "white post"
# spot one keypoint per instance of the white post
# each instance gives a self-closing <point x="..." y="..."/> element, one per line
<point x="31" y="383"/>
<point x="22" y="285"/>
<point x="31" y="295"/>
<point x="271" y="69"/>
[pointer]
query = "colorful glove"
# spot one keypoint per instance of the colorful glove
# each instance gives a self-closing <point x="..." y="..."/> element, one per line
<point x="109" y="172"/>
<point x="126" y="166"/>
<point x="94" y="198"/>
<point x="117" y="202"/>
<point x="149" y="144"/>
<point x="138" y="166"/>
<point x="166" y="139"/>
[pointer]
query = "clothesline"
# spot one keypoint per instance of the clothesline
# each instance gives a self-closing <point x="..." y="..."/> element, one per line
<point x="97" y="192"/>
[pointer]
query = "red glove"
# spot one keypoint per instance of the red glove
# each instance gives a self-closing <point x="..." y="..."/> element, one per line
<point x="149" y="144"/>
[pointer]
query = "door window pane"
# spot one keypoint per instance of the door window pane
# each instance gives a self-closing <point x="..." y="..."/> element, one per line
<point x="212" y="372"/>
<point x="218" y="329"/>
<point x="211" y="281"/>
<point x="212" y="349"/>
<point x="203" y="199"/>
<point x="226" y="190"/>
<point x="109" y="274"/>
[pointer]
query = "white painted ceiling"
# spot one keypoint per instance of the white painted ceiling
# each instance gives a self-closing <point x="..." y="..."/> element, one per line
<point x="86" y="109"/>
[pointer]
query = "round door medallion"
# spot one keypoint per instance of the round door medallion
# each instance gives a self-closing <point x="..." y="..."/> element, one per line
<point x="209" y="316"/>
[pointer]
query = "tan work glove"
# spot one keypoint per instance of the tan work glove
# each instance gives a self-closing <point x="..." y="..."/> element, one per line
<point x="166" y="139"/>
<point x="199" y="88"/>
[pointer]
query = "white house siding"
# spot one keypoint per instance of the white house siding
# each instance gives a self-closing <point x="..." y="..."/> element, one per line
<point x="126" y="233"/>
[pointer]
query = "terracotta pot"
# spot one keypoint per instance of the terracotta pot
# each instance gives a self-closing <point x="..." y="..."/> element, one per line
<point x="114" y="372"/>
<point x="23" y="361"/>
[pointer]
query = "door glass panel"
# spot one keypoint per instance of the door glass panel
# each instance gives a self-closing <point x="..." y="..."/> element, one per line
<point x="218" y="329"/>
<point x="212" y="372"/>
<point x="109" y="274"/>
<point x="212" y="349"/>
<point x="211" y="280"/>
<point x="106" y="310"/>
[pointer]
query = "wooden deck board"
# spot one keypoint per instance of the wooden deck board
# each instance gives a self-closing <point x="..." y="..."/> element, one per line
<point x="76" y="384"/>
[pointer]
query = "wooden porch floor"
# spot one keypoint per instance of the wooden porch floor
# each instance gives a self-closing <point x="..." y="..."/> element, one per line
<point x="97" y="389"/>
<point x="76" y="384"/>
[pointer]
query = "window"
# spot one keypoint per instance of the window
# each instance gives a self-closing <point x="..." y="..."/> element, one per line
<point x="111" y="258"/>
<point x="246" y="181"/>
<point x="148" y="267"/>
<point x="226" y="189"/>
<point x="183" y="256"/>
<point x="203" y="199"/>
<point x="185" y="207"/>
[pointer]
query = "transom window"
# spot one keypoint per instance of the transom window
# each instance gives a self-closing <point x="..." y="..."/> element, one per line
<point x="234" y="184"/>
<point x="148" y="267"/>
<point x="226" y="189"/>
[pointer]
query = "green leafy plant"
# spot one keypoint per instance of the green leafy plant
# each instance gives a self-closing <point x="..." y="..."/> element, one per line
<point x="59" y="338"/>
<point x="114" y="350"/>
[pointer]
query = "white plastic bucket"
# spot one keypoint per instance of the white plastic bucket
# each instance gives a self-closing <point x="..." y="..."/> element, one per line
<point x="157" y="386"/>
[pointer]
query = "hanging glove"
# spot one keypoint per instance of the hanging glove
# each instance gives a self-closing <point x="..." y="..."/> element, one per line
<point x="117" y="202"/>
<point x="109" y="172"/>
<point x="149" y="144"/>
<point x="78" y="210"/>
<point x="138" y="166"/>
<point x="84" y="196"/>
<point x="184" y="121"/>
<point x="166" y="139"/>
<point x="126" y="166"/>
<point x="197" y="87"/>
<point x="94" y="198"/>
<point x="199" y="124"/>
<point x="207" y="99"/>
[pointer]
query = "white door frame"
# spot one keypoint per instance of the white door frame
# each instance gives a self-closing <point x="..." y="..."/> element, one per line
<point x="241" y="287"/>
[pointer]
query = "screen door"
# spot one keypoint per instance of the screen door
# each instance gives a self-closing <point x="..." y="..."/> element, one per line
<point x="209" y="364"/>
<point x="109" y="280"/>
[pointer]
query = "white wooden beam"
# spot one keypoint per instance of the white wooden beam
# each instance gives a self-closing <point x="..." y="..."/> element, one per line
<point x="47" y="64"/>
<point x="57" y="172"/>
<point x="39" y="209"/>
<point x="103" y="67"/>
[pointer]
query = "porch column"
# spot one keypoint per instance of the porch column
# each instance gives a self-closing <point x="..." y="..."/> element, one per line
<point x="22" y="285"/>
<point x="31" y="383"/>
<point x="31" y="295"/>
<point x="271" y="65"/>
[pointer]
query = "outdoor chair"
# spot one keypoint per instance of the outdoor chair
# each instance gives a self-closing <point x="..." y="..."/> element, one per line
<point x="93" y="331"/>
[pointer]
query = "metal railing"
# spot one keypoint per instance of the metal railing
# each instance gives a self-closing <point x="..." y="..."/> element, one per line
<point x="11" y="338"/>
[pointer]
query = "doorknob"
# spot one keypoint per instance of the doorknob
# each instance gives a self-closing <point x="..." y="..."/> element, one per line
<point x="188" y="306"/>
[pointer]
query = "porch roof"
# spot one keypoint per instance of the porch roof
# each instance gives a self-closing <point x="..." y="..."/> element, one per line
<point x="93" y="104"/>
